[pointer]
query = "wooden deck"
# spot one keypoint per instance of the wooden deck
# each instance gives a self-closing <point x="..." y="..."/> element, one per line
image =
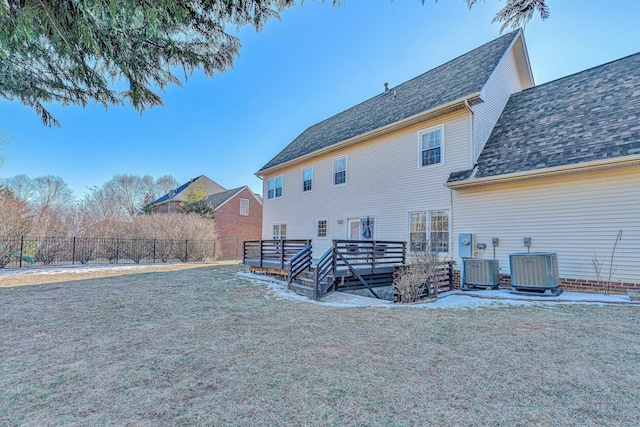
<point x="271" y="254"/>
<point x="347" y="265"/>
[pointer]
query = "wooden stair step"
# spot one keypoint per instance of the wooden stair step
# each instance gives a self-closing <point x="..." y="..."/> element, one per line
<point x="303" y="290"/>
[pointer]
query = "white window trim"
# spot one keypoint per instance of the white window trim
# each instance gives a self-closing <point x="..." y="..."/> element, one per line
<point x="428" y="230"/>
<point x="248" y="204"/>
<point x="274" y="187"/>
<point x="448" y="211"/>
<point x="326" y="230"/>
<point x="375" y="226"/>
<point x="280" y="224"/>
<point x="302" y="175"/>
<point x="419" y="146"/>
<point x="333" y="171"/>
<point x="409" y="225"/>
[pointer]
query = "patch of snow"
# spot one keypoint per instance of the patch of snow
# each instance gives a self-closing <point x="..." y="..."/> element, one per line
<point x="446" y="300"/>
<point x="79" y="269"/>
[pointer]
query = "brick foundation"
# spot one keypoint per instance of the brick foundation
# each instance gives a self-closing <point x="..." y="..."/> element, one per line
<point x="569" y="285"/>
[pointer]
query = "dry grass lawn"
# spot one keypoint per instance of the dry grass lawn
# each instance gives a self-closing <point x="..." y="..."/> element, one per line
<point x="205" y="347"/>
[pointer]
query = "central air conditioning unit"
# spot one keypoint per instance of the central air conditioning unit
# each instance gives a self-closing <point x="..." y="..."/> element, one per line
<point x="535" y="273"/>
<point x="480" y="273"/>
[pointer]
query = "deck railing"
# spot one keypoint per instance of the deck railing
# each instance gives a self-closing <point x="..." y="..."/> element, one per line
<point x="271" y="253"/>
<point x="373" y="255"/>
<point x="299" y="263"/>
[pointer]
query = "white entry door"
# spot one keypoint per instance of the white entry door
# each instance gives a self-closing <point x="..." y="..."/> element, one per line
<point x="362" y="228"/>
<point x="354" y="229"/>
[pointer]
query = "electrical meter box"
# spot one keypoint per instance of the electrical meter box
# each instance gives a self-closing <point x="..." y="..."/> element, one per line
<point x="465" y="245"/>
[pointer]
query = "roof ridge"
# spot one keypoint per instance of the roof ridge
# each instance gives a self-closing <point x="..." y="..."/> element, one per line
<point x="413" y="78"/>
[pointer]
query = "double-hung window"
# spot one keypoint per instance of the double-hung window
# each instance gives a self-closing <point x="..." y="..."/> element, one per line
<point x="429" y="231"/>
<point x="340" y="171"/>
<point x="322" y="228"/>
<point x="307" y="179"/>
<point x="417" y="231"/>
<point x="439" y="224"/>
<point x="430" y="147"/>
<point x="274" y="187"/>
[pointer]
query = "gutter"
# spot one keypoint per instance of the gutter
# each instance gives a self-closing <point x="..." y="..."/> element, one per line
<point x="449" y="107"/>
<point x="472" y="133"/>
<point x="595" y="165"/>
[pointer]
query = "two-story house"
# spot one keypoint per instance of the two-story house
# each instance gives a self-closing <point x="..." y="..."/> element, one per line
<point x="473" y="146"/>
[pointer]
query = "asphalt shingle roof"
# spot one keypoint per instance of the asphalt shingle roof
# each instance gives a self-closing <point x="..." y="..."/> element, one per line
<point x="173" y="193"/>
<point x="217" y="199"/>
<point x="453" y="80"/>
<point x="591" y="115"/>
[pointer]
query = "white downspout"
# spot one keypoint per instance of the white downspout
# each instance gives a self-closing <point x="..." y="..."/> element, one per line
<point x="472" y="135"/>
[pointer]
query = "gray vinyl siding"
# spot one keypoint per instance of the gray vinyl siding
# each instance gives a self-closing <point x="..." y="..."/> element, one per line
<point x="383" y="181"/>
<point x="574" y="215"/>
<point x="505" y="81"/>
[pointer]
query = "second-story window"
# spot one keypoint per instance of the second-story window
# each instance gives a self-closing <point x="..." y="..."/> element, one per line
<point x="244" y="207"/>
<point x="274" y="187"/>
<point x="430" y="147"/>
<point x="340" y="171"/>
<point x="307" y="179"/>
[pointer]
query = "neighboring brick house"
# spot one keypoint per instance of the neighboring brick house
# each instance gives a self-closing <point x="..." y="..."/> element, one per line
<point x="237" y="212"/>
<point x="238" y="215"/>
<point x="170" y="202"/>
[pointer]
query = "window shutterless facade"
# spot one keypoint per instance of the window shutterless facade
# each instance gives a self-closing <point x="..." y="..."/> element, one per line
<point x="417" y="231"/>
<point x="322" y="229"/>
<point x="429" y="228"/>
<point x="244" y="207"/>
<point x="274" y="187"/>
<point x="439" y="225"/>
<point x="340" y="171"/>
<point x="307" y="179"/>
<point x="279" y="231"/>
<point x="430" y="147"/>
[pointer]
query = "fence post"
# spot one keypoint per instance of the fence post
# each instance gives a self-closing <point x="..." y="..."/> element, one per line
<point x="73" y="252"/>
<point x="154" y="251"/>
<point x="117" y="248"/>
<point x="186" y="250"/>
<point x="21" y="247"/>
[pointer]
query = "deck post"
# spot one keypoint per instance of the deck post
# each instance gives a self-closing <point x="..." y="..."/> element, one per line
<point x="373" y="257"/>
<point x="335" y="259"/>
<point x="261" y="253"/>
<point x="282" y="254"/>
<point x="404" y="252"/>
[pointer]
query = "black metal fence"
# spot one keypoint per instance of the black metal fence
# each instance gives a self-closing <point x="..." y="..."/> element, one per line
<point x="25" y="251"/>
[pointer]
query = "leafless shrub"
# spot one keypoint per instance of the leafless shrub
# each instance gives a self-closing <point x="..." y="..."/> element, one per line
<point x="15" y="221"/>
<point x="418" y="277"/>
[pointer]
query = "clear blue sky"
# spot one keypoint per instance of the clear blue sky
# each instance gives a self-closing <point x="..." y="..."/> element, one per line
<point x="314" y="62"/>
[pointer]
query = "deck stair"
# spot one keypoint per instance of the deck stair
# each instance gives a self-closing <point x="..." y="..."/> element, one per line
<point x="305" y="283"/>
